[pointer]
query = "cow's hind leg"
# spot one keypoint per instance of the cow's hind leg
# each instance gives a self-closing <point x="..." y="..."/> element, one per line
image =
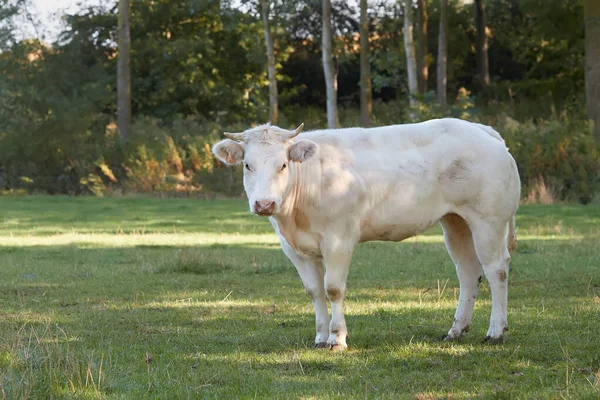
<point x="312" y="274"/>
<point x="490" y="239"/>
<point x="459" y="242"/>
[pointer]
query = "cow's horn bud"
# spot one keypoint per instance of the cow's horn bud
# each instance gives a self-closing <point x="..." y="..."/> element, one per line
<point x="297" y="131"/>
<point x="234" y="136"/>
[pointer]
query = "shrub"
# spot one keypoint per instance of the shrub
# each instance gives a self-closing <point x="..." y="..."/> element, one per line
<point x="557" y="159"/>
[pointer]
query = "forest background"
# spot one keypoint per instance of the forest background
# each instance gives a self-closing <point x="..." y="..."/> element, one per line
<point x="196" y="68"/>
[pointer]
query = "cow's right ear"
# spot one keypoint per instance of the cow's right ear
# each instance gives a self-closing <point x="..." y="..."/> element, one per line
<point x="302" y="150"/>
<point x="229" y="151"/>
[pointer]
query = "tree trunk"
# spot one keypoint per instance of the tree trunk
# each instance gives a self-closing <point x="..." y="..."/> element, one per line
<point x="442" y="53"/>
<point x="272" y="73"/>
<point x="124" y="73"/>
<point x="329" y="68"/>
<point x="409" y="48"/>
<point x="481" y="45"/>
<point x="422" y="47"/>
<point x="366" y="97"/>
<point x="592" y="62"/>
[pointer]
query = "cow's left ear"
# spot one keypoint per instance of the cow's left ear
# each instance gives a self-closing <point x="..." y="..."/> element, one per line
<point x="302" y="150"/>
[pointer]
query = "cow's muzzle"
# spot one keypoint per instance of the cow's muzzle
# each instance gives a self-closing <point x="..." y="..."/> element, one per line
<point x="264" y="207"/>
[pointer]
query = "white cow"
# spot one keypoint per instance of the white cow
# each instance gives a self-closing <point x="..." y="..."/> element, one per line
<point x="325" y="191"/>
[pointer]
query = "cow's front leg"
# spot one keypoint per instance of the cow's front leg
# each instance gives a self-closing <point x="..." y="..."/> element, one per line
<point x="312" y="274"/>
<point x="336" y="255"/>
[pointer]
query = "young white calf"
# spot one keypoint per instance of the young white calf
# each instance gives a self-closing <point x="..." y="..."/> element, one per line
<point x="326" y="191"/>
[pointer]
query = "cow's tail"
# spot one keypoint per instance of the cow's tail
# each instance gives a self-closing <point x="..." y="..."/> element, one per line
<point x="512" y="235"/>
<point x="490" y="131"/>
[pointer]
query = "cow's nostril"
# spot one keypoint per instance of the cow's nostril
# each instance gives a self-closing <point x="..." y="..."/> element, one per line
<point x="264" y="206"/>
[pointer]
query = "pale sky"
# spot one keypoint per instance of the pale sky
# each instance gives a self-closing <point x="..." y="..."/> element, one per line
<point x="49" y="13"/>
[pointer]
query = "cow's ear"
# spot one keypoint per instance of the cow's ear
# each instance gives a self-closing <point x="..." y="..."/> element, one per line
<point x="229" y="151"/>
<point x="302" y="150"/>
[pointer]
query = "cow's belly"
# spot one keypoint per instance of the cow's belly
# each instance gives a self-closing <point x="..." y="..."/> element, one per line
<point x="396" y="221"/>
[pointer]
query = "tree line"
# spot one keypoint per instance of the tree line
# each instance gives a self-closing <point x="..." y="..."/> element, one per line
<point x="103" y="108"/>
<point x="417" y="65"/>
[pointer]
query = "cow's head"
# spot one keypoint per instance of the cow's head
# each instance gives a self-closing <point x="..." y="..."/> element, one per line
<point x="266" y="152"/>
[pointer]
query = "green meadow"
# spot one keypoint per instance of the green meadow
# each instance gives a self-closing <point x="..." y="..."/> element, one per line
<point x="131" y="298"/>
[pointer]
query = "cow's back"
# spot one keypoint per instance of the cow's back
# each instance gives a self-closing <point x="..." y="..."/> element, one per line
<point x="434" y="167"/>
<point x="380" y="142"/>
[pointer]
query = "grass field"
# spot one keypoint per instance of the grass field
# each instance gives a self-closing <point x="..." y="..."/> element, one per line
<point x="181" y="298"/>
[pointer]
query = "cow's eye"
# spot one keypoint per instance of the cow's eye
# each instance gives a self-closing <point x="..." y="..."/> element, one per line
<point x="284" y="166"/>
<point x="248" y="167"/>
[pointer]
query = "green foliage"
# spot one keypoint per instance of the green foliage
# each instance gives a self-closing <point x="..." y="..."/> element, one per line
<point x="48" y="114"/>
<point x="198" y="68"/>
<point x="204" y="60"/>
<point x="561" y="155"/>
<point x="197" y="58"/>
<point x="173" y="159"/>
<point x="533" y="51"/>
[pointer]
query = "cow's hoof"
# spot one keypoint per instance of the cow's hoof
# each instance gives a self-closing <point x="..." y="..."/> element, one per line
<point x="322" y="345"/>
<point x="448" y="338"/>
<point x="337" y="347"/>
<point x="453" y="335"/>
<point x="491" y="340"/>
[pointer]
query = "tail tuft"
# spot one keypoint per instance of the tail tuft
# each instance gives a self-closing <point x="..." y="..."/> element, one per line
<point x="512" y="236"/>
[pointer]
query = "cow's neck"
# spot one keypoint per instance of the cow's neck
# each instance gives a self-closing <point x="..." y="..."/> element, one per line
<point x="292" y="220"/>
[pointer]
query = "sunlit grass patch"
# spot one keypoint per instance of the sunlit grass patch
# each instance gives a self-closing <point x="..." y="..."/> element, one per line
<point x="155" y="240"/>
